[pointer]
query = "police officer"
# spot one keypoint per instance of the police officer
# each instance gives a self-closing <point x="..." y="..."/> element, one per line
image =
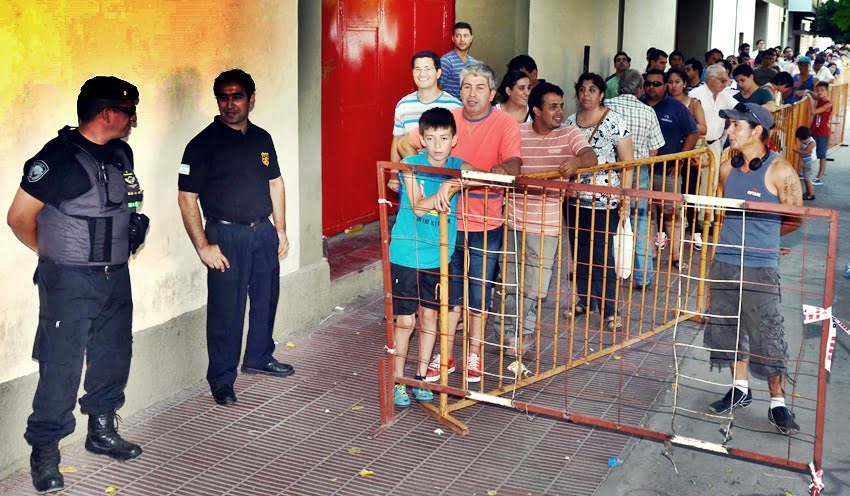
<point x="75" y="209"/>
<point x="232" y="168"/>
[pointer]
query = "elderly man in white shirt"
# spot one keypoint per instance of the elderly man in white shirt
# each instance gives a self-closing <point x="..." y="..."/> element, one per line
<point x="821" y="71"/>
<point x="714" y="98"/>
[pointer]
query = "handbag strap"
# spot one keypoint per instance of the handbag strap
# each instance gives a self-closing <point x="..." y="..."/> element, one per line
<point x="596" y="127"/>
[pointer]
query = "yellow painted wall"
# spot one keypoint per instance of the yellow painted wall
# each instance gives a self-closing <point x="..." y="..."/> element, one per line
<point x="172" y="50"/>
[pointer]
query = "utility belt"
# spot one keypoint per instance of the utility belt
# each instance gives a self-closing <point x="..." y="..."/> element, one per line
<point x="253" y="223"/>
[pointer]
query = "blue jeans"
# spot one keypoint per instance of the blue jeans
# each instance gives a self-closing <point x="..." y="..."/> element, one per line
<point x="643" y="255"/>
<point x="482" y="268"/>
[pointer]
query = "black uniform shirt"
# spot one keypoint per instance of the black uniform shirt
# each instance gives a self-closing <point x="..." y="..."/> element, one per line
<point x="53" y="175"/>
<point x="230" y="171"/>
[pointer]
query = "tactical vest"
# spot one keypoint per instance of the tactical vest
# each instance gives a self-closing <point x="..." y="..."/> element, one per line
<point x="91" y="229"/>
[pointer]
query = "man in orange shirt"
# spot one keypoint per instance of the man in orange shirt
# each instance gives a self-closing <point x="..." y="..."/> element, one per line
<point x="488" y="139"/>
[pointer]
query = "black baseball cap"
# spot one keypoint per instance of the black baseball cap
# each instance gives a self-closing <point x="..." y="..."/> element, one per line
<point x="108" y="88"/>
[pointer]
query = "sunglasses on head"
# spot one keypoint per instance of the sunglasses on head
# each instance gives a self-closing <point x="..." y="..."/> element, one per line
<point x="130" y="111"/>
<point x="749" y="113"/>
<point x="654" y="84"/>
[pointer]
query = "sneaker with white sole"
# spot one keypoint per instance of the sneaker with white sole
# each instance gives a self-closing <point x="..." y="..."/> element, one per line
<point x="782" y="418"/>
<point x="473" y="368"/>
<point x="662" y="241"/>
<point x="733" y="399"/>
<point x="433" y="373"/>
<point x="697" y="239"/>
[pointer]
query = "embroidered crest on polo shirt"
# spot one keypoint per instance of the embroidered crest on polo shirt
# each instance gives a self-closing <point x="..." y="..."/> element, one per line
<point x="264" y="156"/>
<point x="184" y="169"/>
<point x="38" y="169"/>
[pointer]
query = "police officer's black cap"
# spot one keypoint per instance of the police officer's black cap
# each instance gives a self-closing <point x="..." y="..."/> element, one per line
<point x="108" y="88"/>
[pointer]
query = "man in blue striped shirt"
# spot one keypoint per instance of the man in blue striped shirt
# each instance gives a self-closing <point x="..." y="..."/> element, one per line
<point x="408" y="110"/>
<point x="457" y="59"/>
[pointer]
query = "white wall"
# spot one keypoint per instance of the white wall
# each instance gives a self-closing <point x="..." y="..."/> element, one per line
<point x="730" y="17"/>
<point x="775" y="15"/>
<point x="172" y="51"/>
<point x="648" y="24"/>
<point x="500" y="29"/>
<point x="559" y="30"/>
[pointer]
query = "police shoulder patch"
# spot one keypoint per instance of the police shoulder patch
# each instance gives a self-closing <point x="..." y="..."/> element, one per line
<point x="37" y="170"/>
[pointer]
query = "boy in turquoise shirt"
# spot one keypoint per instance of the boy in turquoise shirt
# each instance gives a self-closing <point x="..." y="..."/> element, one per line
<point x="415" y="244"/>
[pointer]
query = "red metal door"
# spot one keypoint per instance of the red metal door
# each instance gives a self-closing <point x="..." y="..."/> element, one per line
<point x="366" y="49"/>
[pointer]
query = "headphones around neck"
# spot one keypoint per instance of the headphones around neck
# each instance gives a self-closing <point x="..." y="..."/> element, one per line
<point x="755" y="164"/>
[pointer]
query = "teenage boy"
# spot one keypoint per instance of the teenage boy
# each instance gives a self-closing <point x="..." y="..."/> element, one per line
<point x="415" y="244"/>
<point x="820" y="127"/>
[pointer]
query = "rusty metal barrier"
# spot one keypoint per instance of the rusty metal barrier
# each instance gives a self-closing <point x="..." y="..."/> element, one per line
<point x="614" y="367"/>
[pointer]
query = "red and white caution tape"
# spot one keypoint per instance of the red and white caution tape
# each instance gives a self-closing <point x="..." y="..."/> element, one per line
<point x="841" y="325"/>
<point x="812" y="313"/>
<point x="830" y="346"/>
<point x="817" y="479"/>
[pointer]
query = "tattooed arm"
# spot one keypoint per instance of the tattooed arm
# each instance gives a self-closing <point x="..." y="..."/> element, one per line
<point x="784" y="179"/>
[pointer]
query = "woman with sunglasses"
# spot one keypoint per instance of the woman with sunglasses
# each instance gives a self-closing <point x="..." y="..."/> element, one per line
<point x="592" y="215"/>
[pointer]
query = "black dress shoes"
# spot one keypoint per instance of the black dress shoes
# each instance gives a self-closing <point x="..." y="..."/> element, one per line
<point x="44" y="468"/>
<point x="103" y="439"/>
<point x="274" y="368"/>
<point x="224" y="395"/>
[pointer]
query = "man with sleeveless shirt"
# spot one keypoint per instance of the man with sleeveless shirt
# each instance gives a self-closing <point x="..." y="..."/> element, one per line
<point x="748" y="251"/>
<point x="75" y="209"/>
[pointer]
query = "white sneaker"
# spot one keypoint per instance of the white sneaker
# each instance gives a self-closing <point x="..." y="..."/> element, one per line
<point x="697" y="239"/>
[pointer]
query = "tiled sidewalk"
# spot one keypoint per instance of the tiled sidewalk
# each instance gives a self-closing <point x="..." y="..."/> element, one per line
<point x="310" y="434"/>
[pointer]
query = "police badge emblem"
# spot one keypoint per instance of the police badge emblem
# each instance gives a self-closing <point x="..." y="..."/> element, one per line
<point x="38" y="169"/>
<point x="264" y="156"/>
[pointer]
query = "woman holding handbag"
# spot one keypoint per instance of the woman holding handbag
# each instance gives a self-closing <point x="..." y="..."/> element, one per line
<point x="591" y="215"/>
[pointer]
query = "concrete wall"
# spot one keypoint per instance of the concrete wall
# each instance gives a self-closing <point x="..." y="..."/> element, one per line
<point x="558" y="32"/>
<point x="639" y="15"/>
<point x="500" y="29"/>
<point x="729" y="18"/>
<point x="773" y="34"/>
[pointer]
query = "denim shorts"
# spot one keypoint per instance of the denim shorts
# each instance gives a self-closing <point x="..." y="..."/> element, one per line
<point x="482" y="267"/>
<point x="822" y="143"/>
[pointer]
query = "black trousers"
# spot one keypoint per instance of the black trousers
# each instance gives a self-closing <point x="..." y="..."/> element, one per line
<point x="589" y="283"/>
<point x="254" y="273"/>
<point x="84" y="314"/>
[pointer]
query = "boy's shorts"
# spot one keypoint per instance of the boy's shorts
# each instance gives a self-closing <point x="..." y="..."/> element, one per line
<point x="481" y="268"/>
<point x="808" y="169"/>
<point x="822" y="143"/>
<point x="414" y="287"/>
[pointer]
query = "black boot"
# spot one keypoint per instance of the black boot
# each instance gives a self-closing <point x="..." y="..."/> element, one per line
<point x="103" y="439"/>
<point x="44" y="468"/>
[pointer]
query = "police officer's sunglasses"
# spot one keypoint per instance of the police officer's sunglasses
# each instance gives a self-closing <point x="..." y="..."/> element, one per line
<point x="130" y="111"/>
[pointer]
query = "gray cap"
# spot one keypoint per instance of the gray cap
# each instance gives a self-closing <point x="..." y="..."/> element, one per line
<point x="751" y="112"/>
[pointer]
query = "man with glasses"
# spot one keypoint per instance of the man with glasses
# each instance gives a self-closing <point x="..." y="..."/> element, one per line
<point x="75" y="208"/>
<point x="714" y="98"/>
<point x="231" y="167"/>
<point x="747" y="331"/>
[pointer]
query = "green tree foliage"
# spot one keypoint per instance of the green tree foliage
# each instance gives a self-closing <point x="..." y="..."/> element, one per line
<point x="832" y="19"/>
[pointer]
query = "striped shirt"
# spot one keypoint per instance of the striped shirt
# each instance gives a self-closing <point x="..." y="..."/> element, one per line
<point x="409" y="109"/>
<point x="541" y="153"/>
<point x="451" y="64"/>
<point x="641" y="121"/>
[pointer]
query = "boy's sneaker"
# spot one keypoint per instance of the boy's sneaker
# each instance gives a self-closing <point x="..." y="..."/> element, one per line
<point x="400" y="398"/>
<point x="697" y="239"/>
<point x="782" y="418"/>
<point x="433" y="373"/>
<point x="808" y="197"/>
<point x="473" y="368"/>
<point x="733" y="399"/>
<point x="817" y="181"/>
<point x="422" y="394"/>
<point x="662" y="241"/>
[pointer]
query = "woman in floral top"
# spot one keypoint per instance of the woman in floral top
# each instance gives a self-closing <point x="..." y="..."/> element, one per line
<point x="597" y="213"/>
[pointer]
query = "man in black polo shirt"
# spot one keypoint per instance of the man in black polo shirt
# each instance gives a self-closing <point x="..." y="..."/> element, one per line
<point x="231" y="166"/>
